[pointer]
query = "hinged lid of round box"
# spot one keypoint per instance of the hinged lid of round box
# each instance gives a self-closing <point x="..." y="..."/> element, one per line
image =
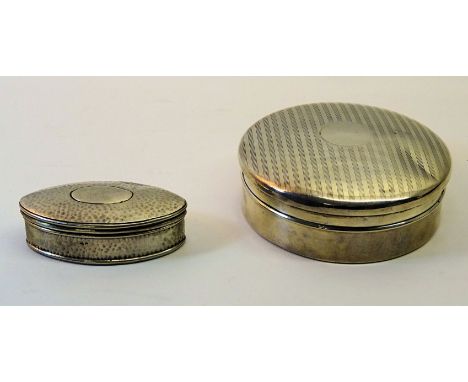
<point x="104" y="222"/>
<point x="342" y="167"/>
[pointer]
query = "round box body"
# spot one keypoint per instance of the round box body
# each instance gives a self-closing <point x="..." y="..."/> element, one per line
<point x="104" y="222"/>
<point x="342" y="182"/>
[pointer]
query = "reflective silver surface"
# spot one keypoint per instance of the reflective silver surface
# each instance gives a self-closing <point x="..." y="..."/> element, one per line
<point x="104" y="222"/>
<point x="335" y="165"/>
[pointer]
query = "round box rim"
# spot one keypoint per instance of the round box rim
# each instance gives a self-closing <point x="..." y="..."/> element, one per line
<point x="282" y="154"/>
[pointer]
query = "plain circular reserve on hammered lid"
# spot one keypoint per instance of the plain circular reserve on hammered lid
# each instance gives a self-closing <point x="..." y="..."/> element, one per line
<point x="104" y="222"/>
<point x="343" y="168"/>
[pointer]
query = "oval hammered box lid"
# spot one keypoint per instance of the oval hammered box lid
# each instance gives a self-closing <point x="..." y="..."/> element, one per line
<point x="104" y="222"/>
<point x="332" y="162"/>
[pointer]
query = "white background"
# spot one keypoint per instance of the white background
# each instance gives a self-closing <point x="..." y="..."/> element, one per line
<point x="182" y="134"/>
<point x="246" y="37"/>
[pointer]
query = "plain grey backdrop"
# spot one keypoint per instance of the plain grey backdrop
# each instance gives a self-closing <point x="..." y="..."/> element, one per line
<point x="182" y="133"/>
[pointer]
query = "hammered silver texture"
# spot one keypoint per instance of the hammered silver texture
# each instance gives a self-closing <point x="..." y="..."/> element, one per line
<point x="106" y="250"/>
<point x="146" y="203"/>
<point x="104" y="222"/>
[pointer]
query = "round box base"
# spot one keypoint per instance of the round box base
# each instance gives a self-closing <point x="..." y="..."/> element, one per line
<point x="339" y="246"/>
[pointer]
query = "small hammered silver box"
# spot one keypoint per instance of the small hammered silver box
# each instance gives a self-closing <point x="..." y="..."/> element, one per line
<point x="104" y="222"/>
